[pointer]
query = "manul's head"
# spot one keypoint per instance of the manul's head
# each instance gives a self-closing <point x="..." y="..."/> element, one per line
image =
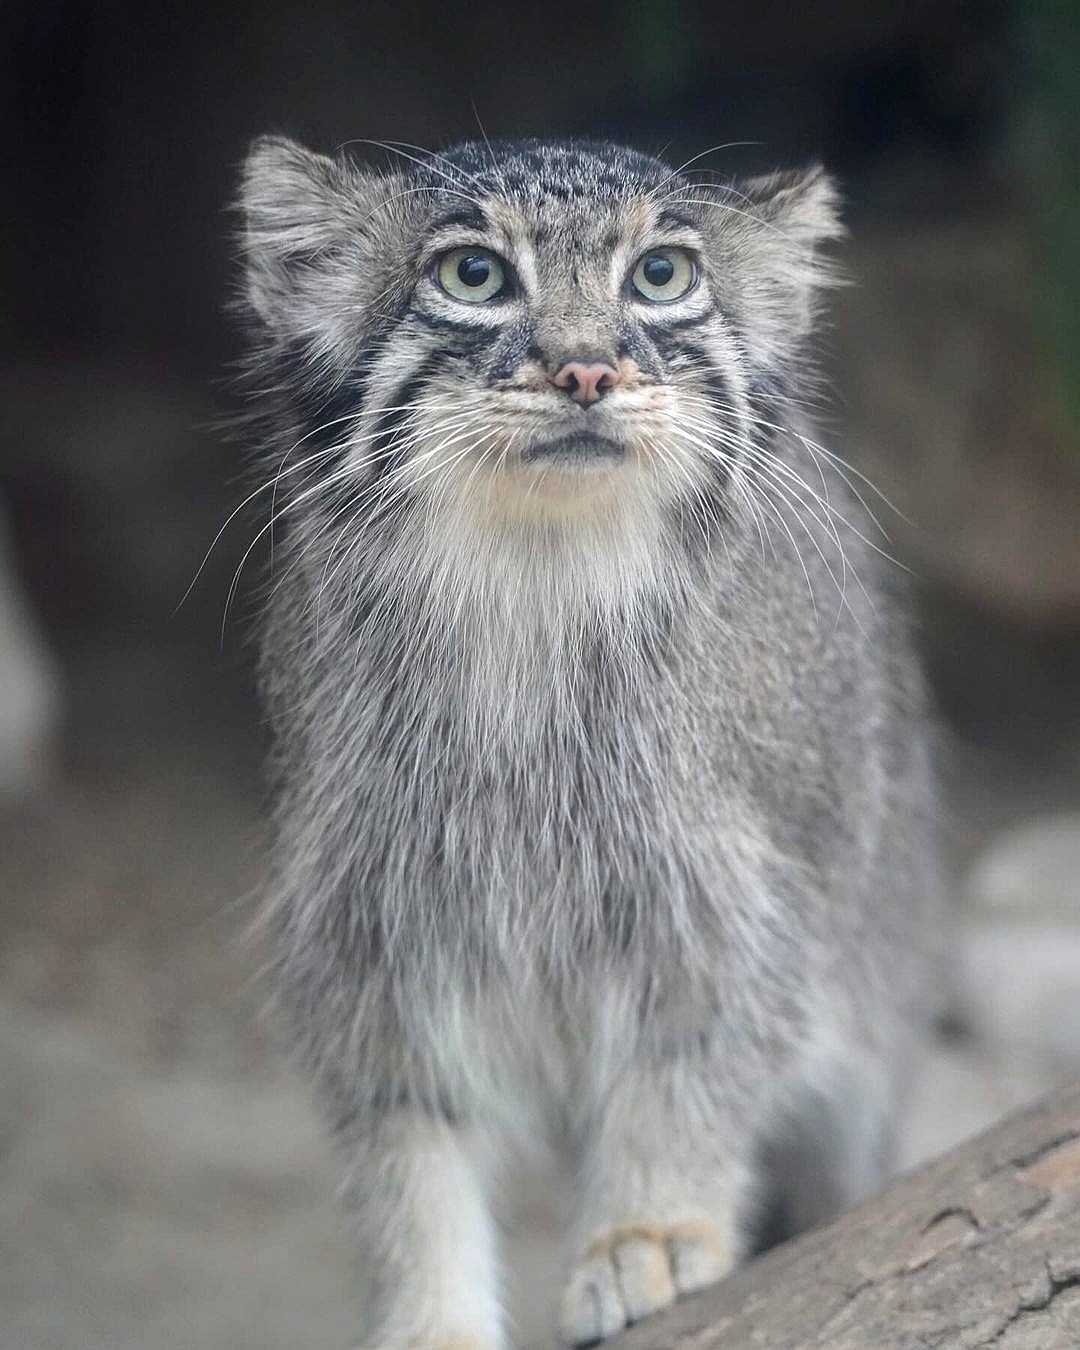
<point x="529" y="331"/>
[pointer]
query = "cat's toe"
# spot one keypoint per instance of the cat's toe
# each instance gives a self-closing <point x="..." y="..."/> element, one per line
<point x="699" y="1256"/>
<point x="633" y="1272"/>
<point x="643" y="1271"/>
<point x="592" y="1306"/>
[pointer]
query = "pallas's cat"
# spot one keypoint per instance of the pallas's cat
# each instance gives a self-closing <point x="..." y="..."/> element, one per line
<point x="602" y="787"/>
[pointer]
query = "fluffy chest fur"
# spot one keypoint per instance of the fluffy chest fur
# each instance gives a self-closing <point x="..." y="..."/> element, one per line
<point x="502" y="766"/>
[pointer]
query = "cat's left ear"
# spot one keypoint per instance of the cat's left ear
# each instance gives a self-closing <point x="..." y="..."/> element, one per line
<point x="778" y="230"/>
<point x="803" y="204"/>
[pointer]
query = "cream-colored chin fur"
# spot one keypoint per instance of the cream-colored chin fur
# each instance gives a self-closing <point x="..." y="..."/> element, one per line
<point x="553" y="494"/>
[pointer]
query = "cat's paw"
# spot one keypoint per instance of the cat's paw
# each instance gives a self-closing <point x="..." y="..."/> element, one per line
<point x="637" y="1270"/>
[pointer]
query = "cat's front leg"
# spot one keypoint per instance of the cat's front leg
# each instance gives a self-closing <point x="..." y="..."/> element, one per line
<point x="665" y="1192"/>
<point x="427" y="1241"/>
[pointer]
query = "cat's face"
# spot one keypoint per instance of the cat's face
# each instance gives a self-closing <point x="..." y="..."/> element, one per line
<point x="530" y="330"/>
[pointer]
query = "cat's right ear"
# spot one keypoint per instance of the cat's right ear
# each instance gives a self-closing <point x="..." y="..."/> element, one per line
<point x="293" y="207"/>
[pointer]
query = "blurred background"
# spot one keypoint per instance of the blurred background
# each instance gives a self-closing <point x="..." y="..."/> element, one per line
<point x="162" y="1180"/>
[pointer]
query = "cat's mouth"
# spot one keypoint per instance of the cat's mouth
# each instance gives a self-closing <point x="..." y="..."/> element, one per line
<point x="578" y="451"/>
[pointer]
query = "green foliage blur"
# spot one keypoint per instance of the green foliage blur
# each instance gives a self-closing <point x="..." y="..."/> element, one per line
<point x="1050" y="34"/>
<point x="657" y="44"/>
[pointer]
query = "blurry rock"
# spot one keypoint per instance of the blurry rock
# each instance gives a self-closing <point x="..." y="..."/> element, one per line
<point x="1022" y="989"/>
<point x="1033" y="869"/>
<point x="960" y="1089"/>
<point x="948" y="411"/>
<point x="1020" y="950"/>
<point x="29" y="690"/>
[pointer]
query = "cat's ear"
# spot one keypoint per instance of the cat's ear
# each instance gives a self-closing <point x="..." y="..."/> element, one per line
<point x="311" y="227"/>
<point x="780" y="228"/>
<point x="288" y="194"/>
<point x="291" y="202"/>
<point x="801" y="203"/>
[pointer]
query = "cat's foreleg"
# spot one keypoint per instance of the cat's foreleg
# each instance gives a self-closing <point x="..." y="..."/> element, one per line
<point x="426" y="1237"/>
<point x="666" y="1186"/>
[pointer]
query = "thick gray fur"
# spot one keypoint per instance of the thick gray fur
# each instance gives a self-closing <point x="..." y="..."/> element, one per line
<point x="604" y="812"/>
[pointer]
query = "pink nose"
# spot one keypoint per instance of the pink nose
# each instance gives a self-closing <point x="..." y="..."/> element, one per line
<point x="586" y="381"/>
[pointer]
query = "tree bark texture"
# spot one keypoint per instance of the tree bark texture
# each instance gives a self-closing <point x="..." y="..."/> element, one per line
<point x="980" y="1248"/>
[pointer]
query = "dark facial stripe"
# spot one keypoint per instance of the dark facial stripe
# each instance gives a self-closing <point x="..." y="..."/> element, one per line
<point x="467" y="217"/>
<point x="512" y="348"/>
<point x="634" y="342"/>
<point x="439" y="324"/>
<point x="389" y="424"/>
<point x="675" y="220"/>
<point x="322" y="405"/>
<point x="670" y="346"/>
<point x="713" y="379"/>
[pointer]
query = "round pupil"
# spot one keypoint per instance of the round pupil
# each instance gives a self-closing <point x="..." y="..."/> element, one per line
<point x="659" y="271"/>
<point x="473" y="271"/>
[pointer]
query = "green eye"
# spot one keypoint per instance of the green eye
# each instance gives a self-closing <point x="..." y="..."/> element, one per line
<point x="664" y="274"/>
<point x="470" y="274"/>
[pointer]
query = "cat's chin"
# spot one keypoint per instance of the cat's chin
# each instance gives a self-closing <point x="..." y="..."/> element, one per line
<point x="579" y="476"/>
<point x="581" y="452"/>
<point x="571" y="476"/>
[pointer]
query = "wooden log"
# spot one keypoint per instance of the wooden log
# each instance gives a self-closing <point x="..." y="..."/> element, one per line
<point x="980" y="1248"/>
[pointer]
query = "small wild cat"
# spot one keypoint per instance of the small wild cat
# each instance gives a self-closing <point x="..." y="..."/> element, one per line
<point x="603" y="792"/>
